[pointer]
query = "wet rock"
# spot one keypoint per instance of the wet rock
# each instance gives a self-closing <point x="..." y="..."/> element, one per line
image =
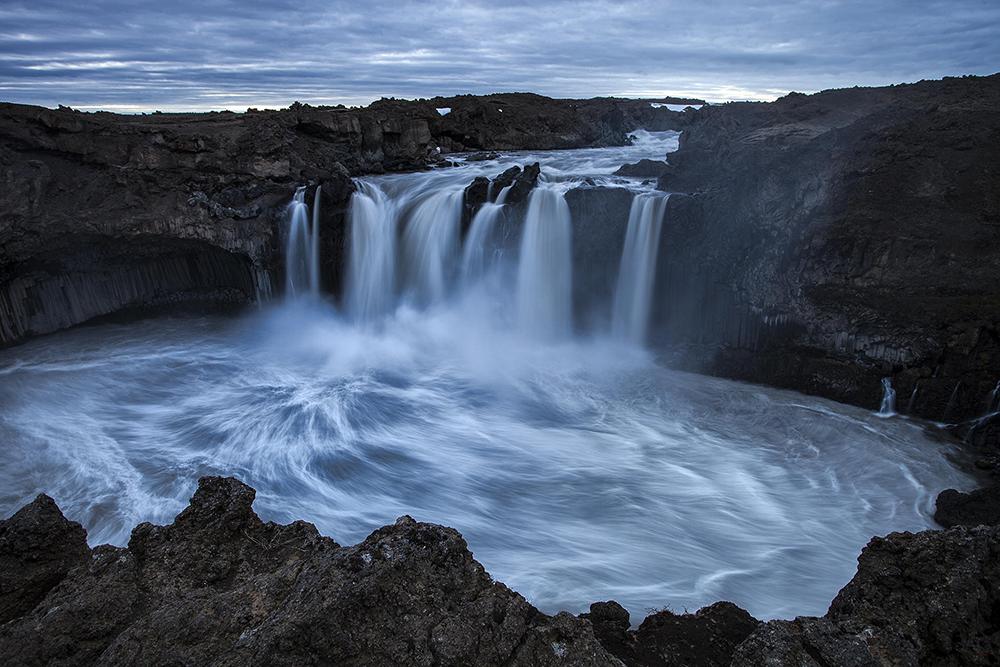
<point x="929" y="598"/>
<point x="977" y="508"/>
<point x="644" y="168"/>
<point x="220" y="586"/>
<point x="482" y="156"/>
<point x="707" y="638"/>
<point x="38" y="547"/>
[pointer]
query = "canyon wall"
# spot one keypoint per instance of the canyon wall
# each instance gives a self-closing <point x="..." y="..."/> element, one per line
<point x="824" y="242"/>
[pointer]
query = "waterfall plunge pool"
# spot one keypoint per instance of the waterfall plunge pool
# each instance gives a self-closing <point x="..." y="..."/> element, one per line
<point x="577" y="470"/>
<point x="450" y="388"/>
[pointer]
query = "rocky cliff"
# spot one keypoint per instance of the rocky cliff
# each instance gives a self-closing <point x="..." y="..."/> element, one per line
<point x="830" y="240"/>
<point x="102" y="213"/>
<point x="221" y="587"/>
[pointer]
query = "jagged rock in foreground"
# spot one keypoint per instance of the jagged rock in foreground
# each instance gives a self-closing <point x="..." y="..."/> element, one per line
<point x="219" y="586"/>
<point x="706" y="638"/>
<point x="930" y="598"/>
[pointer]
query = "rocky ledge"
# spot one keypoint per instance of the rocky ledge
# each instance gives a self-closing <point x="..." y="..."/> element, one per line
<point x="219" y="586"/>
<point x="828" y="241"/>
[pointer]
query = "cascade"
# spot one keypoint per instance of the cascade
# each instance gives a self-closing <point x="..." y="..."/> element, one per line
<point x="302" y="248"/>
<point x="430" y="244"/>
<point x="371" y="267"/>
<point x="544" y="277"/>
<point x="481" y="243"/>
<point x="993" y="400"/>
<point x="888" y="407"/>
<point x="634" y="293"/>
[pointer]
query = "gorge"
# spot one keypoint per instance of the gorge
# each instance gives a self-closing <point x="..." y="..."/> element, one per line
<point x="541" y="345"/>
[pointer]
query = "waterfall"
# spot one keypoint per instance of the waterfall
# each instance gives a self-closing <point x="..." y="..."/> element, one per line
<point x="913" y="398"/>
<point x="371" y="268"/>
<point x="480" y="243"/>
<point x="302" y="248"/>
<point x="634" y="292"/>
<point x="481" y="247"/>
<point x="544" y="277"/>
<point x="430" y="243"/>
<point x="888" y="407"/>
<point x="993" y="400"/>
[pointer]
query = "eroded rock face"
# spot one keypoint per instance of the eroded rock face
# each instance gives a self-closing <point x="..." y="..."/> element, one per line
<point x="219" y="586"/>
<point x="839" y="238"/>
<point x="928" y="598"/>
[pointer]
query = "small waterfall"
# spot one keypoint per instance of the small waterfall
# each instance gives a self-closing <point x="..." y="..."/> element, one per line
<point x="634" y="292"/>
<point x="544" y="277"/>
<point x="888" y="407"/>
<point x="993" y="400"/>
<point x="302" y="248"/>
<point x="430" y="242"/>
<point x="480" y="243"/>
<point x="371" y="268"/>
<point x="912" y="404"/>
<point x="481" y="249"/>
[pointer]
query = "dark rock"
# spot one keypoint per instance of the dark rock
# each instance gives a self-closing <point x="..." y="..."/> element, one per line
<point x="522" y="185"/>
<point x="644" y="168"/>
<point x="482" y="156"/>
<point x="706" y="638"/>
<point x="979" y="507"/>
<point x="476" y="194"/>
<point x="38" y="547"/>
<point x="929" y="598"/>
<point x="219" y="586"/>
<point x="839" y="238"/>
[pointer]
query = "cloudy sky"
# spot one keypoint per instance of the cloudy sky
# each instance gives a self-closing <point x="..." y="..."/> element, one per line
<point x="215" y="54"/>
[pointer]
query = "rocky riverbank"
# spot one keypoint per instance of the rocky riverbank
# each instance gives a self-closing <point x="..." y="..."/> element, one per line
<point x="219" y="586"/>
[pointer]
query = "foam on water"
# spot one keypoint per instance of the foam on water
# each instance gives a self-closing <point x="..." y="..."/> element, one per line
<point x="577" y="470"/>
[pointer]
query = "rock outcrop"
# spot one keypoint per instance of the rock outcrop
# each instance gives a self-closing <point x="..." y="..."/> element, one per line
<point x="929" y="598"/>
<point x="834" y="239"/>
<point x="221" y="587"/>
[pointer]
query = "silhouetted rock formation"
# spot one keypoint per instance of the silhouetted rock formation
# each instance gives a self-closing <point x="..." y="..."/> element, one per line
<point x="839" y="238"/>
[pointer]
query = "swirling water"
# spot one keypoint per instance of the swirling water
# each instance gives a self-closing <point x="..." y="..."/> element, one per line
<point x="577" y="471"/>
<point x="577" y="468"/>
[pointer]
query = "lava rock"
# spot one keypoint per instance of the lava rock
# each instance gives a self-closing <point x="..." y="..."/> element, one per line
<point x="38" y="547"/>
<point x="644" y="168"/>
<point x="707" y="638"/>
<point x="220" y="586"/>
<point x="928" y="598"/>
<point x="837" y="239"/>
<point x="977" y="508"/>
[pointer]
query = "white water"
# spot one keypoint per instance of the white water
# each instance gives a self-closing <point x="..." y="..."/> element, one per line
<point x="302" y="246"/>
<point x="545" y="272"/>
<point x="576" y="467"/>
<point x="430" y="241"/>
<point x="634" y="292"/>
<point x="888" y="407"/>
<point x="371" y="276"/>
<point x="482" y="248"/>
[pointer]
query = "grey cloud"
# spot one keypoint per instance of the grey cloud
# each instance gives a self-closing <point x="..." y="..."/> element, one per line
<point x="219" y="54"/>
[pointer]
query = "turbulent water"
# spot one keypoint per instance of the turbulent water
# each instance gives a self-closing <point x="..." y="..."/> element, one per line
<point x="576" y="467"/>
